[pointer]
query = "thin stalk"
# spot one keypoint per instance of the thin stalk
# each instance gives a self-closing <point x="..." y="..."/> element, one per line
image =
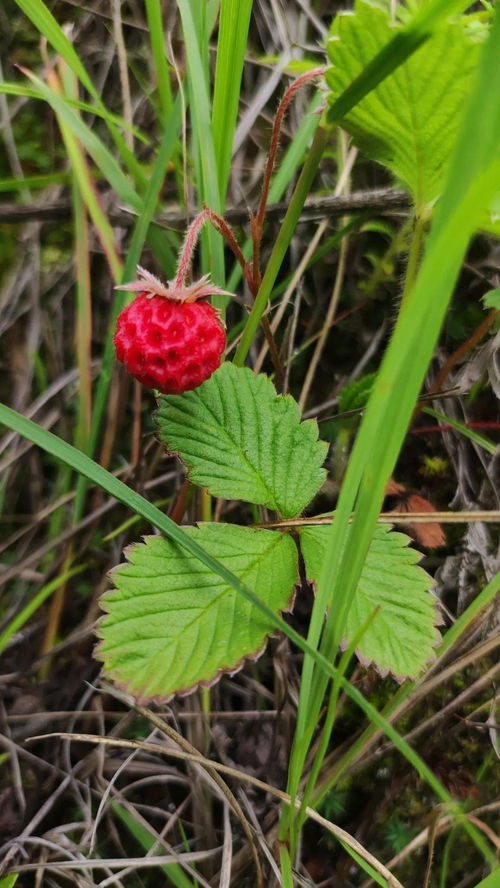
<point x="414" y="256"/>
<point x="275" y="140"/>
<point x="330" y="315"/>
<point x="83" y="329"/>
<point x="287" y="880"/>
<point x="121" y="52"/>
<point x="287" y="229"/>
<point x="463" y="350"/>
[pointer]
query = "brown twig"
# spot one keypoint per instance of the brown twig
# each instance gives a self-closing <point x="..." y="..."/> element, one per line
<point x="379" y="200"/>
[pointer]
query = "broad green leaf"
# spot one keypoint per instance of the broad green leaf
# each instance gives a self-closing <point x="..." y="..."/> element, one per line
<point x="241" y="440"/>
<point x="172" y="624"/>
<point x="401" y="637"/>
<point x="410" y="121"/>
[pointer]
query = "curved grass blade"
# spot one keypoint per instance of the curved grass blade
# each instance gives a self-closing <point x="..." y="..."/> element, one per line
<point x="103" y="159"/>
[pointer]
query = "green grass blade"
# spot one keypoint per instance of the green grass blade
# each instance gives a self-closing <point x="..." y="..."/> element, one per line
<point x="38" y="181"/>
<point x="83" y="332"/>
<point x="234" y="21"/>
<point x="44" y="21"/>
<point x="471" y="434"/>
<point x="173" y="871"/>
<point x="15" y="89"/>
<point x="103" y="159"/>
<point x="38" y="599"/>
<point x="158" y="50"/>
<point x="10" y="881"/>
<point x="491" y="881"/>
<point x="46" y="24"/>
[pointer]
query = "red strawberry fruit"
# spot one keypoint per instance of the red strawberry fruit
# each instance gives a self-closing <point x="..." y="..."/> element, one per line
<point x="166" y="338"/>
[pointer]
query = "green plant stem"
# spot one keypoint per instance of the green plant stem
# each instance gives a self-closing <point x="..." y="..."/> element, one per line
<point x="414" y="256"/>
<point x="300" y="818"/>
<point x="286" y="867"/>
<point x="287" y="229"/>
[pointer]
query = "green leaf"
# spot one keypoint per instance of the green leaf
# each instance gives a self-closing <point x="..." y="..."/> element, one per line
<point x="241" y="440"/>
<point x="491" y="299"/>
<point x="401" y="637"/>
<point x="355" y="394"/>
<point x="410" y="121"/>
<point x="172" y="624"/>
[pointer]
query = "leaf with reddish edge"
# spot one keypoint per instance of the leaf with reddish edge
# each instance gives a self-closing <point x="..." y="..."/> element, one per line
<point x="401" y="637"/>
<point x="171" y="624"/>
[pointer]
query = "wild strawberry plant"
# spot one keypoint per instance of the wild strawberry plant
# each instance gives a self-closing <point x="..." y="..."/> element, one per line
<point x="170" y="625"/>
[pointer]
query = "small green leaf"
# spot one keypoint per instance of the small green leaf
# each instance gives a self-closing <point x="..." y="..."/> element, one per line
<point x="172" y="624"/>
<point x="491" y="299"/>
<point x="401" y="637"/>
<point x="355" y="394"/>
<point x="410" y="121"/>
<point x="241" y="440"/>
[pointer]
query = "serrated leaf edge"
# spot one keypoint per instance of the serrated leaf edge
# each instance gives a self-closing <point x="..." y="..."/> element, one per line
<point x="438" y="620"/>
<point x="286" y="398"/>
<point x="143" y="699"/>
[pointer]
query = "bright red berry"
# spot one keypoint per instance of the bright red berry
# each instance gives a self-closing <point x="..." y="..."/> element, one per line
<point x="166" y="338"/>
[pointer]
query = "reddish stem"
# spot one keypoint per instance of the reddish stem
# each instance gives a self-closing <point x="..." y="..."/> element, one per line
<point x="220" y="225"/>
<point x="422" y="430"/>
<point x="180" y="504"/>
<point x="275" y="138"/>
